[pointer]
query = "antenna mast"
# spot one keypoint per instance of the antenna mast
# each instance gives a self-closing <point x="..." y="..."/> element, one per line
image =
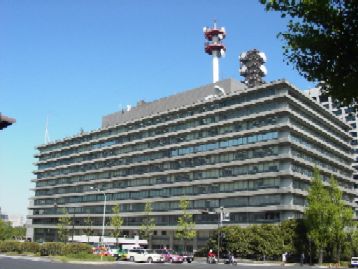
<point x="214" y="46"/>
<point x="47" y="136"/>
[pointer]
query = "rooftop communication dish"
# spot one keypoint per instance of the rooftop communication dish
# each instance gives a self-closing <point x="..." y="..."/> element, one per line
<point x="252" y="68"/>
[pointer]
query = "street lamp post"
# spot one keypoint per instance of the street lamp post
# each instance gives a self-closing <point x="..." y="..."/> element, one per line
<point x="104" y="214"/>
<point x="220" y="222"/>
<point x="104" y="211"/>
<point x="73" y="226"/>
<point x="222" y="217"/>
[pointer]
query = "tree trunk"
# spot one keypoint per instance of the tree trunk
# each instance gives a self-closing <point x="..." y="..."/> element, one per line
<point x="150" y="241"/>
<point x="320" y="260"/>
<point x="339" y="250"/>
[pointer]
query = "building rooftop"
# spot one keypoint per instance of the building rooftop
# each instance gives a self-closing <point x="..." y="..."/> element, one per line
<point x="181" y="99"/>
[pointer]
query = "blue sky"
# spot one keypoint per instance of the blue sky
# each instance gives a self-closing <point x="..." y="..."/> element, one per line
<point x="77" y="60"/>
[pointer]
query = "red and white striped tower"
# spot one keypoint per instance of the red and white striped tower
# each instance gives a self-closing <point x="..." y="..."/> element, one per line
<point x="215" y="47"/>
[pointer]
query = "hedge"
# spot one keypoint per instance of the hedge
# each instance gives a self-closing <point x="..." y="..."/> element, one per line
<point x="50" y="248"/>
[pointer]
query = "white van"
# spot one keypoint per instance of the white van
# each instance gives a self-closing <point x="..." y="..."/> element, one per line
<point x="354" y="262"/>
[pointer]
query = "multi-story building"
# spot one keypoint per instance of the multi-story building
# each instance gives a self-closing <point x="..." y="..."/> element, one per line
<point x="16" y="220"/>
<point x="3" y="217"/>
<point x="249" y="150"/>
<point x="347" y="114"/>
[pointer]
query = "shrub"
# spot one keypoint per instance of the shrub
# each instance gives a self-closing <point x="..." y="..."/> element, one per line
<point x="11" y="246"/>
<point x="33" y="247"/>
<point x="52" y="249"/>
<point x="76" y="248"/>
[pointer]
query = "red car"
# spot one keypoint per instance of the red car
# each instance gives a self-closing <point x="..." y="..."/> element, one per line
<point x="170" y="255"/>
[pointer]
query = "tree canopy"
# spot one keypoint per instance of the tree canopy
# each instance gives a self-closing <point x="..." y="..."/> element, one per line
<point x="148" y="225"/>
<point x="186" y="225"/>
<point x="321" y="41"/>
<point x="63" y="226"/>
<point x="326" y="215"/>
<point x="116" y="222"/>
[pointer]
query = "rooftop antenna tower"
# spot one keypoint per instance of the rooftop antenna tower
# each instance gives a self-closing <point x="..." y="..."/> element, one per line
<point x="252" y="67"/>
<point x="47" y="136"/>
<point x="215" y="47"/>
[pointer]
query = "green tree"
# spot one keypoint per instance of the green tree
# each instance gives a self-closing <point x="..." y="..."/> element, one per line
<point x="88" y="231"/>
<point x="342" y="217"/>
<point x="319" y="214"/>
<point x="294" y="236"/>
<point x="148" y="225"/>
<point x="266" y="240"/>
<point x="18" y="233"/>
<point x="5" y="230"/>
<point x="63" y="226"/>
<point x="186" y="225"/>
<point x="116" y="222"/>
<point x="321" y="42"/>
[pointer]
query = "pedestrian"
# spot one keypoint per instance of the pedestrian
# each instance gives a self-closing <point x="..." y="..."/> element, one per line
<point x="302" y="259"/>
<point x="284" y="258"/>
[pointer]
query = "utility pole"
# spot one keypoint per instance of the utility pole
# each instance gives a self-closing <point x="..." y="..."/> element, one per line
<point x="220" y="222"/>
<point x="73" y="226"/>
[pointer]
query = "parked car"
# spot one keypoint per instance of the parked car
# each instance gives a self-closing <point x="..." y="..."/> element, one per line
<point x="188" y="257"/>
<point x="116" y="252"/>
<point x="124" y="256"/>
<point x="171" y="256"/>
<point x="101" y="250"/>
<point x="144" y="255"/>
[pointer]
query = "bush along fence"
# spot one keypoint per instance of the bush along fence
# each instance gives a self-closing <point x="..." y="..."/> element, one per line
<point x="45" y="249"/>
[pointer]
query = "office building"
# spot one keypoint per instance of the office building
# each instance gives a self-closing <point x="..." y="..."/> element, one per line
<point x="346" y="114"/>
<point x="4" y="217"/>
<point x="249" y="150"/>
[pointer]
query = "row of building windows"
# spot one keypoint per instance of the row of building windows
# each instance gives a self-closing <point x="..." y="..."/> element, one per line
<point x="220" y="144"/>
<point x="322" y="136"/>
<point x="198" y="161"/>
<point x="309" y="173"/>
<point x="198" y="109"/>
<point x="310" y="145"/>
<point x="320" y="163"/>
<point x="248" y="185"/>
<point x="319" y="122"/>
<point x="246" y="217"/>
<point x="251" y="201"/>
<point x="208" y="174"/>
<point x="213" y="131"/>
<point x="174" y="139"/>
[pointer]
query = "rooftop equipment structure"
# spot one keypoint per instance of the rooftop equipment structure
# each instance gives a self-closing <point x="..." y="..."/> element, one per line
<point x="215" y="47"/>
<point x="252" y="68"/>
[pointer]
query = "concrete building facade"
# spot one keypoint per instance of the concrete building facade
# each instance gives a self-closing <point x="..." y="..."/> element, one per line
<point x="249" y="150"/>
<point x="346" y="114"/>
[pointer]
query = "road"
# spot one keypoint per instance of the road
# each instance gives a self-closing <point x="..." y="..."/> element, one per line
<point x="43" y="263"/>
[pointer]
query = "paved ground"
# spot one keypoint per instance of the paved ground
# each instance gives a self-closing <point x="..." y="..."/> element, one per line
<point x="44" y="263"/>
